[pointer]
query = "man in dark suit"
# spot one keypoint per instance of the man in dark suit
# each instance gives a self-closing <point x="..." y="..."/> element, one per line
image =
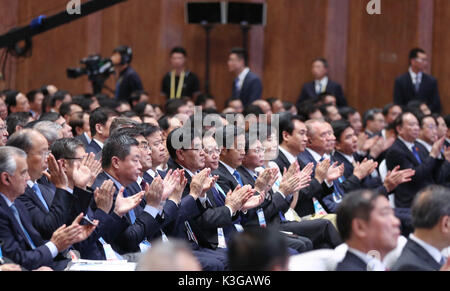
<point x="369" y="227"/>
<point x="49" y="208"/>
<point x="247" y="86"/>
<point x="22" y="243"/>
<point x="321" y="84"/>
<point x="199" y="224"/>
<point x="416" y="85"/>
<point x="408" y="154"/>
<point x="319" y="231"/>
<point x="431" y="216"/>
<point x="99" y="122"/>
<point x="120" y="163"/>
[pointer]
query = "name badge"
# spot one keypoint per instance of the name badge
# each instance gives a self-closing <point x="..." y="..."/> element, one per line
<point x="261" y="218"/>
<point x="110" y="254"/>
<point x="145" y="246"/>
<point x="164" y="237"/>
<point x="221" y="238"/>
<point x="239" y="227"/>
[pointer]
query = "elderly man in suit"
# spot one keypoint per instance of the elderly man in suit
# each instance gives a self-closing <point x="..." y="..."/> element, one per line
<point x="321" y="84"/>
<point x="367" y="224"/>
<point x="408" y="154"/>
<point x="431" y="219"/>
<point x="22" y="243"/>
<point x="416" y="85"/>
<point x="247" y="86"/>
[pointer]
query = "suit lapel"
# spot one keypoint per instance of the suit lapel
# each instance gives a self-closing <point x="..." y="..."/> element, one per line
<point x="408" y="152"/>
<point x="423" y="254"/>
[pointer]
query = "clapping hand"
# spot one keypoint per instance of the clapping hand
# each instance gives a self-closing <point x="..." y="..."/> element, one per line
<point x="197" y="183"/>
<point x="58" y="177"/>
<point x="93" y="165"/>
<point x="177" y="193"/>
<point x="124" y="205"/>
<point x="335" y="172"/>
<point x="104" y="196"/>
<point x="153" y="193"/>
<point x="397" y="177"/>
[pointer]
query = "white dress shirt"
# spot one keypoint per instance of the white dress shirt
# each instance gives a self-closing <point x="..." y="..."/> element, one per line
<point x="242" y="76"/>
<point x="414" y="76"/>
<point x="321" y="85"/>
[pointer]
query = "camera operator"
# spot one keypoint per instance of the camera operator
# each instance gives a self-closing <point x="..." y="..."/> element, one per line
<point x="129" y="81"/>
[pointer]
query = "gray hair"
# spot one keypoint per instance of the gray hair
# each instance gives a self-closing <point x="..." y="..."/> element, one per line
<point x="430" y="205"/>
<point x="7" y="161"/>
<point x="22" y="139"/>
<point x="50" y="130"/>
<point x="163" y="257"/>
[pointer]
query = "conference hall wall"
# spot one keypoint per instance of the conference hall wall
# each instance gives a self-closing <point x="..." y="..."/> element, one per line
<point x="365" y="52"/>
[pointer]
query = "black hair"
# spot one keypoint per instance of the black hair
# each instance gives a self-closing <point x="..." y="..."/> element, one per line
<point x="172" y="106"/>
<point x="185" y="135"/>
<point x="339" y="126"/>
<point x="50" y="116"/>
<point x="117" y="146"/>
<point x="346" y="111"/>
<point x="286" y="124"/>
<point x="15" y="119"/>
<point x="414" y="53"/>
<point x="65" y="148"/>
<point x="356" y="204"/>
<point x="100" y="116"/>
<point x="178" y="49"/>
<point x="31" y="95"/>
<point x="241" y="53"/>
<point x="257" y="249"/>
<point x="370" y="115"/>
<point x="322" y="60"/>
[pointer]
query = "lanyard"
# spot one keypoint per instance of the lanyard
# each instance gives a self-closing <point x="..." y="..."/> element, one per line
<point x="180" y="85"/>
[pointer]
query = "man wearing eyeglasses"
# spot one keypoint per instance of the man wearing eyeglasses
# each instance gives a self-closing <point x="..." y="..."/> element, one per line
<point x="48" y="208"/>
<point x="417" y="85"/>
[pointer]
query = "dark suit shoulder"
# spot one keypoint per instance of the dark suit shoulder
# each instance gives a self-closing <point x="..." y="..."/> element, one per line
<point x="351" y="263"/>
<point x="415" y="258"/>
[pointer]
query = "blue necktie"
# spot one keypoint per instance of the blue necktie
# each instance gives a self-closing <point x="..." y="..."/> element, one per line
<point x="131" y="213"/>
<point x="16" y="215"/>
<point x="238" y="177"/>
<point x="38" y="193"/>
<point x="416" y="154"/>
<point x="220" y="199"/>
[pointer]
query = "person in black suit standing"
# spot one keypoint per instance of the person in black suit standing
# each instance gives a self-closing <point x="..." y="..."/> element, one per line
<point x="321" y="84"/>
<point x="367" y="224"/>
<point x="417" y="85"/>
<point x="431" y="219"/>
<point x="247" y="86"/>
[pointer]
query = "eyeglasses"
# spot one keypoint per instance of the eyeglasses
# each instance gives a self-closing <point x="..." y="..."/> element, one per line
<point x="43" y="154"/>
<point x="144" y="146"/>
<point x="4" y="128"/>
<point x="74" y="159"/>
<point x="259" y="151"/>
<point x="212" y="151"/>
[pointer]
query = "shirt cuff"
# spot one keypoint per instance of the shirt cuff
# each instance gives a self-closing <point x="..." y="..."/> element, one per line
<point x="202" y="200"/>
<point x="329" y="184"/>
<point x="151" y="210"/>
<point x="52" y="248"/>
<point x="231" y="211"/>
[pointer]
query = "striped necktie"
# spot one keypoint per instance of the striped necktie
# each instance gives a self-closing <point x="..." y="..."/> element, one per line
<point x="16" y="215"/>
